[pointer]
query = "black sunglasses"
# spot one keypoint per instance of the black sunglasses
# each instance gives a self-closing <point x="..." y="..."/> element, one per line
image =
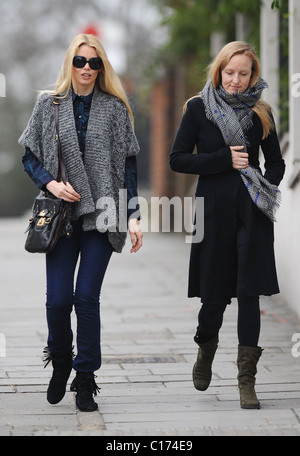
<point x="95" y="63"/>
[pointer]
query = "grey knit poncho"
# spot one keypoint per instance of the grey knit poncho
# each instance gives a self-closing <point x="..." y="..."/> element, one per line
<point x="100" y="175"/>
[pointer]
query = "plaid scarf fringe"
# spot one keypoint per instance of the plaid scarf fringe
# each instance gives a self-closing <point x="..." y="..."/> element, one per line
<point x="266" y="197"/>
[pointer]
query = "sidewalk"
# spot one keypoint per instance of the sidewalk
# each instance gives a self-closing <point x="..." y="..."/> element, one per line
<point x="148" y="353"/>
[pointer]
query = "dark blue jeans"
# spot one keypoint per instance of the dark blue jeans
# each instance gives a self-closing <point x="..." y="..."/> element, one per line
<point x="65" y="290"/>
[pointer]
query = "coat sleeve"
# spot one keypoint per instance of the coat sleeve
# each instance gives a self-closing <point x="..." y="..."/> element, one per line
<point x="274" y="163"/>
<point x="182" y="157"/>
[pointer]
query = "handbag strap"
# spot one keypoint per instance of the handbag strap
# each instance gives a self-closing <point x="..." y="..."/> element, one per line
<point x="62" y="175"/>
<point x="61" y="166"/>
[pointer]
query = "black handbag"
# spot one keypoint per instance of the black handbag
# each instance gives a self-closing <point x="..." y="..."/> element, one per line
<point x="50" y="215"/>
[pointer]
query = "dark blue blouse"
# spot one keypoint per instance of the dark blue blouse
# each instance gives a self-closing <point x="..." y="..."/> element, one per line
<point x="41" y="177"/>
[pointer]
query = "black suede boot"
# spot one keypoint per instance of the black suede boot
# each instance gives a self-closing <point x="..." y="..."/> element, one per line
<point x="62" y="367"/>
<point x="85" y="386"/>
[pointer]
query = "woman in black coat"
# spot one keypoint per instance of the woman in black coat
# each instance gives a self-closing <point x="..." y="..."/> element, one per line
<point x="228" y="124"/>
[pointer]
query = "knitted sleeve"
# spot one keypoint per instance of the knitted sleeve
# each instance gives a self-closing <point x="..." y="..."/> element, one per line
<point x="39" y="134"/>
<point x="122" y="131"/>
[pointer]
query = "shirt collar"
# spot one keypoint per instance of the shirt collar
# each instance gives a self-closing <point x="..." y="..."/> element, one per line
<point x="85" y="98"/>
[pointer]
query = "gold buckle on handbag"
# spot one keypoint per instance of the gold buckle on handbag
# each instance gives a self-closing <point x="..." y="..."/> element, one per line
<point x="41" y="221"/>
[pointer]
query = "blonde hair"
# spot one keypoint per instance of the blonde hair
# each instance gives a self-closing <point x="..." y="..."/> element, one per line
<point x="107" y="80"/>
<point x="261" y="108"/>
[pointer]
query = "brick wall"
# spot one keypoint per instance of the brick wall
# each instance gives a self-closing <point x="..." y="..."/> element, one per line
<point x="165" y="114"/>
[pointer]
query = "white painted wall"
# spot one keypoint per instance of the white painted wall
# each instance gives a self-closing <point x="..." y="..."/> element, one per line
<point x="287" y="228"/>
<point x="287" y="239"/>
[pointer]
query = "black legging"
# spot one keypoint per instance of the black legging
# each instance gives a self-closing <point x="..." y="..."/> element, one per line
<point x="210" y="319"/>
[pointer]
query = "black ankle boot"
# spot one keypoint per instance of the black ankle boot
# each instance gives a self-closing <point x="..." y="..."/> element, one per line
<point x="62" y="367"/>
<point x="85" y="386"/>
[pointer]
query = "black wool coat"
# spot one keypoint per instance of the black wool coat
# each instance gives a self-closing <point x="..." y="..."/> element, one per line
<point x="236" y="255"/>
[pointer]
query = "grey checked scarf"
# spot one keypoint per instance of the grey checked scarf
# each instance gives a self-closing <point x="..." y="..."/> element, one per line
<point x="233" y="115"/>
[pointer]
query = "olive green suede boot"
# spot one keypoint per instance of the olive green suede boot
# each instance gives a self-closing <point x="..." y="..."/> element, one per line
<point x="247" y="361"/>
<point x="202" y="368"/>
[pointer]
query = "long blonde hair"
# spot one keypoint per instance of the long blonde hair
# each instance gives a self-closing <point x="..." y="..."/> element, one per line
<point x="107" y="79"/>
<point x="231" y="49"/>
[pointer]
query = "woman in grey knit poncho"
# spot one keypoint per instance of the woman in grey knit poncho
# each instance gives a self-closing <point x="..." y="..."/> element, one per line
<point x="99" y="150"/>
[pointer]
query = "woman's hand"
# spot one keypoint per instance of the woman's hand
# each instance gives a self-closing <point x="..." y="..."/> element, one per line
<point x="63" y="191"/>
<point x="239" y="159"/>
<point x="136" y="236"/>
